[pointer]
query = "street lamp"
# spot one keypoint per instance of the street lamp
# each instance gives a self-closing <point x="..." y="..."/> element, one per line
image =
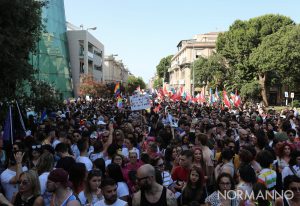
<point x="92" y="28"/>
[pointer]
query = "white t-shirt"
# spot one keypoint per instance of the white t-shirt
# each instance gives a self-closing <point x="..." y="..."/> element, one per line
<point x="122" y="189"/>
<point x="83" y="199"/>
<point x="107" y="162"/>
<point x="287" y="171"/>
<point x="125" y="152"/>
<point x="75" y="150"/>
<point x="85" y="160"/>
<point x="116" y="203"/>
<point x="9" y="189"/>
<point x="56" y="142"/>
<point x="94" y="156"/>
<point x="46" y="195"/>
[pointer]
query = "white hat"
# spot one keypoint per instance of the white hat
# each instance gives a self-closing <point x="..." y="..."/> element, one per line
<point x="100" y="122"/>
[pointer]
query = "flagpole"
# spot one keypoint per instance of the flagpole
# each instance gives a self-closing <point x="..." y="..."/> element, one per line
<point x="11" y="130"/>
<point x="21" y="118"/>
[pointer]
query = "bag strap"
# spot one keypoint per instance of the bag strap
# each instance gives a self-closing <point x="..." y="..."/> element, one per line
<point x="293" y="170"/>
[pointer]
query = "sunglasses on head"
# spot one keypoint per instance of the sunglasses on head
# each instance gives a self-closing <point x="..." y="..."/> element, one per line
<point x="36" y="146"/>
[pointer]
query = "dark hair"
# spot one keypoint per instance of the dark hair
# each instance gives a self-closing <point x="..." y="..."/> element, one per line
<point x="247" y="173"/>
<point x="77" y="175"/>
<point x="264" y="158"/>
<point x="118" y="155"/>
<point x="228" y="176"/>
<point x="288" y="180"/>
<point x="227" y="154"/>
<point x="259" y="188"/>
<point x="100" y="164"/>
<point x="98" y="147"/>
<point x="114" y="171"/>
<point x="107" y="182"/>
<point x="187" y="153"/>
<point x="294" y="155"/>
<point x="61" y="147"/>
<point x="112" y="149"/>
<point x="187" y="192"/>
<point x="245" y="156"/>
<point x="82" y="144"/>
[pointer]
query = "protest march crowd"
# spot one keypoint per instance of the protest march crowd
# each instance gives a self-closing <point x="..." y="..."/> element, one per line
<point x="101" y="152"/>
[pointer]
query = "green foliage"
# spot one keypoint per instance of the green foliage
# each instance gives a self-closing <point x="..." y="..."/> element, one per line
<point x="250" y="91"/>
<point x="237" y="44"/>
<point x="42" y="95"/>
<point x="211" y="70"/>
<point x="158" y="83"/>
<point x="163" y="66"/>
<point x="296" y="103"/>
<point x="133" y="82"/>
<point x="243" y="48"/>
<point x="21" y="26"/>
<point x="280" y="52"/>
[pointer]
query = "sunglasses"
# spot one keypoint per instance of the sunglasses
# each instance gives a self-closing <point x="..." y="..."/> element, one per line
<point x="36" y="146"/>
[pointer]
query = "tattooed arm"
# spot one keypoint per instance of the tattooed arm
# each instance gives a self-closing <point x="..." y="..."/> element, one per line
<point x="136" y="199"/>
<point x="171" y="199"/>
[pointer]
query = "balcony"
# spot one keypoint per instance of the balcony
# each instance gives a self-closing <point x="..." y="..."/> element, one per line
<point x="90" y="55"/>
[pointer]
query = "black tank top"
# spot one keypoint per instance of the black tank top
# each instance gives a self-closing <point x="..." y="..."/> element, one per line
<point x="161" y="202"/>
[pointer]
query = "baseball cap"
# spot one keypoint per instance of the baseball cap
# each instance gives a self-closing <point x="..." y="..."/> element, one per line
<point x="60" y="175"/>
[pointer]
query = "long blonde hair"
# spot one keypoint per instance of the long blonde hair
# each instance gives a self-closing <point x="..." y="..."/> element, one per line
<point x="33" y="180"/>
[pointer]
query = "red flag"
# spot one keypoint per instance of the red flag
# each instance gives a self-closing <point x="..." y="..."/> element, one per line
<point x="165" y="91"/>
<point x="226" y="99"/>
<point x="237" y="100"/>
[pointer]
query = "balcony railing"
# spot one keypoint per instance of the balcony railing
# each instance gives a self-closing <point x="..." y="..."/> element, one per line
<point x="90" y="55"/>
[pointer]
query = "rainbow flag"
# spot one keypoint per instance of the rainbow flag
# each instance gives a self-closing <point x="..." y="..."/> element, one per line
<point x="117" y="89"/>
<point x="119" y="102"/>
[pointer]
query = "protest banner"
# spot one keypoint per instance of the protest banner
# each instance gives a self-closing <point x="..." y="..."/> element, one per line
<point x="139" y="102"/>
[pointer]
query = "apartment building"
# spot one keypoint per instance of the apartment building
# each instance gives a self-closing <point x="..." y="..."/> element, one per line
<point x="86" y="55"/>
<point x="114" y="70"/>
<point x="188" y="51"/>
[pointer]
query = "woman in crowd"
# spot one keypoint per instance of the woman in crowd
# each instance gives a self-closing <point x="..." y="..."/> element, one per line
<point x="35" y="153"/>
<point x="294" y="166"/>
<point x="29" y="191"/>
<point x="224" y="184"/>
<point x="44" y="167"/>
<point x="92" y="192"/>
<point x="193" y="191"/>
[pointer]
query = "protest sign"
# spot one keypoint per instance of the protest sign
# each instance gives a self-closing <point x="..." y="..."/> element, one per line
<point x="139" y="102"/>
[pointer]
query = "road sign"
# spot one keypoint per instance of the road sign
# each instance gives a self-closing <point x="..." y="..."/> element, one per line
<point x="286" y="94"/>
<point x="292" y="95"/>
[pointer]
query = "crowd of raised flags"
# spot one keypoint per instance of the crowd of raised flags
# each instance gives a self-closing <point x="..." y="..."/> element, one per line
<point x="213" y="98"/>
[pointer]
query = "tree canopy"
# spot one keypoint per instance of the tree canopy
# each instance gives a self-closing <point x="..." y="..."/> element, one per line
<point x="163" y="66"/>
<point x="133" y="82"/>
<point x="21" y="26"/>
<point x="244" y="38"/>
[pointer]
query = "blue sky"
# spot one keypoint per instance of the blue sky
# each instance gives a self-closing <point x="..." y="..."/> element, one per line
<point x="142" y="32"/>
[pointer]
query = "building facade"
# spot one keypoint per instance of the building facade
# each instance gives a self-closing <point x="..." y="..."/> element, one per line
<point x="114" y="71"/>
<point x="86" y="56"/>
<point x="52" y="57"/>
<point x="188" y="51"/>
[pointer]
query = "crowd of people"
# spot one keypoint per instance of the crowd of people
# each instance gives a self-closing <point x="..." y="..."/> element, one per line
<point x="175" y="153"/>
